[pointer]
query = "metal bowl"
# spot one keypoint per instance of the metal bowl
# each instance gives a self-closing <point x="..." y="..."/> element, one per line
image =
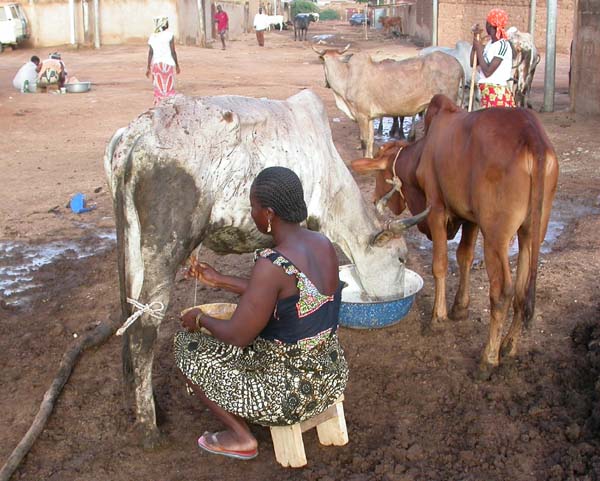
<point x="358" y="312"/>
<point x="78" y="87"/>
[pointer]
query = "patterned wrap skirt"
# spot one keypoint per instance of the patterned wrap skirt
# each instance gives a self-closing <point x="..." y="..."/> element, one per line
<point x="163" y="81"/>
<point x="267" y="382"/>
<point x="496" y="96"/>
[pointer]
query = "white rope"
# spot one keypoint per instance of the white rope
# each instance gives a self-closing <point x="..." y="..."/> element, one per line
<point x="155" y="309"/>
<point x="396" y="184"/>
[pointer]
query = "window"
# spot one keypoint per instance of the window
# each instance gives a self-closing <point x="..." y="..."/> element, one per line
<point x="2" y="14"/>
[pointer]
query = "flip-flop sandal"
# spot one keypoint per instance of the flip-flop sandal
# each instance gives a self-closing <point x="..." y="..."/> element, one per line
<point x="243" y="455"/>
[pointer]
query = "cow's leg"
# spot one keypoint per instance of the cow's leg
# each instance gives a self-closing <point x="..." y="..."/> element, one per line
<point x="464" y="256"/>
<point x="380" y="127"/>
<point x="170" y="227"/>
<point x="498" y="269"/>
<point x="363" y="127"/>
<point x="437" y="225"/>
<point x="370" y="139"/>
<point x="138" y="357"/>
<point x="510" y="341"/>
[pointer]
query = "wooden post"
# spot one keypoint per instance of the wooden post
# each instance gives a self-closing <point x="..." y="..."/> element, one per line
<point x="473" y="78"/>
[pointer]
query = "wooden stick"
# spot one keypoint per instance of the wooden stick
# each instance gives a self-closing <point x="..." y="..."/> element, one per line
<point x="100" y="334"/>
<point x="473" y="76"/>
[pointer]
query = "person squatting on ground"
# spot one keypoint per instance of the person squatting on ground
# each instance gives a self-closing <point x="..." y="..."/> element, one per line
<point x="494" y="61"/>
<point x="162" y="60"/>
<point x="26" y="78"/>
<point x="261" y="23"/>
<point x="222" y="21"/>
<point x="278" y="360"/>
<point x="52" y="71"/>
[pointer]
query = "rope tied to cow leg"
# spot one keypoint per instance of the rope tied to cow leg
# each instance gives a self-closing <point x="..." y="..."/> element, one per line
<point x="155" y="309"/>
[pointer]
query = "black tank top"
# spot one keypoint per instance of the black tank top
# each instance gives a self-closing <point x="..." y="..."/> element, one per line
<point x="302" y="315"/>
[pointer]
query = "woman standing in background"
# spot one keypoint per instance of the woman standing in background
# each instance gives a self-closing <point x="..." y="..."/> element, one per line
<point x="162" y="60"/>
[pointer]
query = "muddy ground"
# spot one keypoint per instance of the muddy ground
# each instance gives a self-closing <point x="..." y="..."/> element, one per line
<point x="413" y="408"/>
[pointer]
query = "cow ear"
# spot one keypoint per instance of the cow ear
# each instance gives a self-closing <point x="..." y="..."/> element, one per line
<point x="362" y="166"/>
<point x="346" y="58"/>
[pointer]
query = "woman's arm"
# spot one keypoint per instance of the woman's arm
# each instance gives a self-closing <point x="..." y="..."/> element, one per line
<point x="209" y="276"/>
<point x="253" y="312"/>
<point x="174" y="55"/>
<point x="486" y="68"/>
<point x="150" y="54"/>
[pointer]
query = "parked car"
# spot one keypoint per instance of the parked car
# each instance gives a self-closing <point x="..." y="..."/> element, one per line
<point x="359" y="19"/>
<point x="14" y="27"/>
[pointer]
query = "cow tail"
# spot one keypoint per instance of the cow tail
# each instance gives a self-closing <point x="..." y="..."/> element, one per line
<point x="121" y="221"/>
<point x="538" y="150"/>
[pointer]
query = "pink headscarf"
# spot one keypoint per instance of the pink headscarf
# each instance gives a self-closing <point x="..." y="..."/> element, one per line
<point x="498" y="18"/>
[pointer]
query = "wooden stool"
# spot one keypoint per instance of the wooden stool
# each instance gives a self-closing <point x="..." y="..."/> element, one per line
<point x="331" y="429"/>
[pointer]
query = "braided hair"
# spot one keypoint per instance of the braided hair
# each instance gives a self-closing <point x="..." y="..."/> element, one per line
<point x="280" y="189"/>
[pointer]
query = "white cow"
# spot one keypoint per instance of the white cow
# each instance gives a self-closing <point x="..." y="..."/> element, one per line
<point x="525" y="60"/>
<point x="275" y="20"/>
<point x="180" y="175"/>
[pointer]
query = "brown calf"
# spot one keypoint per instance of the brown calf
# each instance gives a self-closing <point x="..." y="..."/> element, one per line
<point x="493" y="170"/>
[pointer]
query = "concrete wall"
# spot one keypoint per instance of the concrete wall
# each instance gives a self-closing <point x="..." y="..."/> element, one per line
<point x="456" y="17"/>
<point x="120" y="20"/>
<point x="585" y="73"/>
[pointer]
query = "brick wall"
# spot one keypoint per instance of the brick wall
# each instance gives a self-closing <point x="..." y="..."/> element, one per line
<point x="456" y="17"/>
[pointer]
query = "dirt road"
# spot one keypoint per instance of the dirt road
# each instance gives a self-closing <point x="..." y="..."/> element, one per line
<point x="413" y="408"/>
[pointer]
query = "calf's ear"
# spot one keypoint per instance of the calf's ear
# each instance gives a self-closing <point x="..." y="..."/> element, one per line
<point x="362" y="166"/>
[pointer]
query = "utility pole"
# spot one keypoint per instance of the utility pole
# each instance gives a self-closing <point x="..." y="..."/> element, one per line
<point x="434" y="27"/>
<point x="532" y="9"/>
<point x="550" y="71"/>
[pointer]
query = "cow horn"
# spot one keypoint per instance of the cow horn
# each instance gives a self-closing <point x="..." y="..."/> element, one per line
<point x="320" y="53"/>
<point x="343" y="51"/>
<point x="397" y="227"/>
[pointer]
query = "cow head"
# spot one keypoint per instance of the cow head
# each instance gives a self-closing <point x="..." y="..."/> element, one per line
<point x="439" y="103"/>
<point x="393" y="185"/>
<point x="331" y="59"/>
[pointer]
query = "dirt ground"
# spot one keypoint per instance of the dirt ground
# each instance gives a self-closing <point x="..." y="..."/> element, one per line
<point x="413" y="408"/>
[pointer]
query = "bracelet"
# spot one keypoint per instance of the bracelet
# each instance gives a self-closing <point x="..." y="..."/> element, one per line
<point x="198" y="325"/>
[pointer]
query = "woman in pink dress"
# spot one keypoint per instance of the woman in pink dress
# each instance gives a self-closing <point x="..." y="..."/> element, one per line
<point x="162" y="60"/>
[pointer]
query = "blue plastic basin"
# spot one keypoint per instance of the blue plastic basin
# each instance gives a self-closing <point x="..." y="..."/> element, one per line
<point x="365" y="314"/>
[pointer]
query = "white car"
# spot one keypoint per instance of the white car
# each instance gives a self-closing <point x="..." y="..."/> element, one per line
<point x="14" y="27"/>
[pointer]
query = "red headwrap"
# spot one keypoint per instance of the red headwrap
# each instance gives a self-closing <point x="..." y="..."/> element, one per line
<point x="498" y="18"/>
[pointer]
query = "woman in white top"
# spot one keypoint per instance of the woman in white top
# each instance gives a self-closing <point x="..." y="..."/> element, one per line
<point x="162" y="60"/>
<point x="495" y="62"/>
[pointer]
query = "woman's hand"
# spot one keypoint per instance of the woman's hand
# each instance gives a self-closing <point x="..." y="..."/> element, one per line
<point x="188" y="320"/>
<point x="204" y="273"/>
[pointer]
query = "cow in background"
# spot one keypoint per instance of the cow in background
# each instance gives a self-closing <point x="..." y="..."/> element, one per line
<point x="525" y="61"/>
<point x="301" y="23"/>
<point x="276" y="20"/>
<point x="365" y="90"/>
<point x="493" y="170"/>
<point x="461" y="52"/>
<point x="180" y="176"/>
<point x="393" y="24"/>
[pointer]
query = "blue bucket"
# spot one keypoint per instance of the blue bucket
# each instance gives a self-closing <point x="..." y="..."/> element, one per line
<point x="364" y="314"/>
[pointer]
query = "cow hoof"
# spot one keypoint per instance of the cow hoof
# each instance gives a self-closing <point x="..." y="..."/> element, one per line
<point x="508" y="349"/>
<point x="459" y="313"/>
<point x="149" y="437"/>
<point x="484" y="372"/>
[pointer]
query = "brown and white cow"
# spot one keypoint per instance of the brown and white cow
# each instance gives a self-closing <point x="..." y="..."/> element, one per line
<point x="366" y="90"/>
<point x="180" y="175"/>
<point x="493" y="170"/>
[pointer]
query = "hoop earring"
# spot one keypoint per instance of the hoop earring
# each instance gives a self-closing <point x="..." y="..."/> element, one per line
<point x="269" y="226"/>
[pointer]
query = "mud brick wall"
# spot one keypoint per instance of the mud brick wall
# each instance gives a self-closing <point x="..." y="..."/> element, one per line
<point x="456" y="17"/>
